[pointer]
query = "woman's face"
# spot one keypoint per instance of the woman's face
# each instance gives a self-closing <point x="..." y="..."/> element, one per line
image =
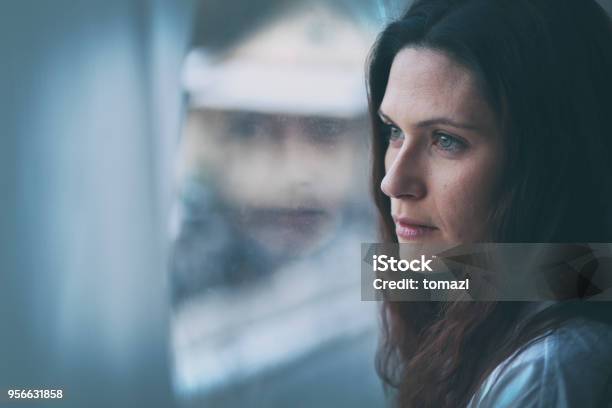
<point x="445" y="150"/>
<point x="283" y="180"/>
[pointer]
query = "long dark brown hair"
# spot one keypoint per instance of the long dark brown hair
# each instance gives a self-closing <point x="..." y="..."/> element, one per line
<point x="545" y="67"/>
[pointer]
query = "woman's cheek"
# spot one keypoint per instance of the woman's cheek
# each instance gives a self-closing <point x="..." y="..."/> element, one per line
<point x="465" y="200"/>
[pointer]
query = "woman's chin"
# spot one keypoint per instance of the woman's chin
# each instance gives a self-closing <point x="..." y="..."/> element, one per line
<point x="427" y="236"/>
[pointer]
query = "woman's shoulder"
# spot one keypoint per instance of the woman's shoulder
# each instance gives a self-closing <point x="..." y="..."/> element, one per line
<point x="569" y="367"/>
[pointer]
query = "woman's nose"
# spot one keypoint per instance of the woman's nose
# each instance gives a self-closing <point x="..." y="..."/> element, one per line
<point x="404" y="177"/>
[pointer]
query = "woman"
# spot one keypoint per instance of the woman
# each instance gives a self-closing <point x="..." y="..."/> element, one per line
<point x="490" y="124"/>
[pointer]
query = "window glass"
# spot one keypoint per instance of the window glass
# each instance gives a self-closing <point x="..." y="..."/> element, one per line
<point x="272" y="206"/>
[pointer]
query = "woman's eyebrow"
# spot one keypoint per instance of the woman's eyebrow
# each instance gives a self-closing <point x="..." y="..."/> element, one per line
<point x="447" y="122"/>
<point x="385" y="118"/>
<point x="432" y="122"/>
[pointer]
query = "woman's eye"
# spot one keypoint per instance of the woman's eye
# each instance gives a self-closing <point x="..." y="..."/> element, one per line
<point x="449" y="143"/>
<point x="394" y="135"/>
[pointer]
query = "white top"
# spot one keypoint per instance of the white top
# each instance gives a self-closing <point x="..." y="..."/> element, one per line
<point x="571" y="367"/>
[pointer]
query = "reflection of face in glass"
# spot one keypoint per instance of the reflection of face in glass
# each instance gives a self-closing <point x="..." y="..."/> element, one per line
<point x="284" y="178"/>
<point x="445" y="149"/>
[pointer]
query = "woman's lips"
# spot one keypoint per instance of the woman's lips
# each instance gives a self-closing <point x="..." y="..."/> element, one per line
<point x="412" y="230"/>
